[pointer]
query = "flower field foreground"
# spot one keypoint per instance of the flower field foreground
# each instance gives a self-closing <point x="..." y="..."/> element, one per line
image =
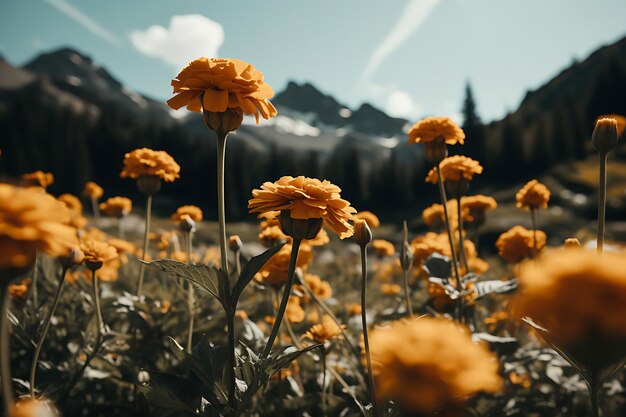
<point x="318" y="314"/>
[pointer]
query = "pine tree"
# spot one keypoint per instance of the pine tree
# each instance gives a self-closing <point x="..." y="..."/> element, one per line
<point x="473" y="127"/>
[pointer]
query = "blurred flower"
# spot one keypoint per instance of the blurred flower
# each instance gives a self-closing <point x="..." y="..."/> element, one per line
<point x="93" y="190"/>
<point x="354" y="309"/>
<point x="39" y="178"/>
<point x="455" y="168"/>
<point x="76" y="210"/>
<point x="494" y="321"/>
<point x="147" y="162"/>
<point x="19" y="290"/>
<point x="476" y="206"/>
<point x="516" y="244"/>
<point x="123" y="248"/>
<point x="194" y="212"/>
<point x="436" y="128"/>
<point x="318" y="286"/>
<point x="32" y="221"/>
<point x="372" y="220"/>
<point x="96" y="251"/>
<point x="434" y="216"/>
<point x="522" y="380"/>
<point x="212" y="256"/>
<point x="294" y="311"/>
<point x="116" y="207"/>
<point x="572" y="243"/>
<point x="431" y="366"/>
<point x="324" y="331"/>
<point x="274" y="271"/>
<point x="305" y="198"/>
<point x="181" y="256"/>
<point x="440" y="300"/>
<point x="533" y="195"/>
<point x="383" y="247"/>
<point x="390" y="289"/>
<point x="34" y="407"/>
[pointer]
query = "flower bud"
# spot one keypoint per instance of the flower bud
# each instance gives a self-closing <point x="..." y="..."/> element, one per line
<point x="187" y="224"/>
<point x="148" y="184"/>
<point x="362" y="233"/>
<point x="572" y="243"/>
<point x="234" y="243"/>
<point x="93" y="266"/>
<point x="604" y="137"/>
<point x="299" y="228"/>
<point x="73" y="258"/>
<point x="223" y="122"/>
<point x="435" y="151"/>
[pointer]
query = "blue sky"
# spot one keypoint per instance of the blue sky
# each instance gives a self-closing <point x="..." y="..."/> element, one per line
<point x="409" y="57"/>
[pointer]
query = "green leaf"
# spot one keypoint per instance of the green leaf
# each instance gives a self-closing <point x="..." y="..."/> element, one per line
<point x="249" y="271"/>
<point x="171" y="392"/>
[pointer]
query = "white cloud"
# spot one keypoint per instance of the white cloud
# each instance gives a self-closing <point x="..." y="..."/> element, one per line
<point x="84" y="20"/>
<point x="187" y="38"/>
<point x="400" y="104"/>
<point x="413" y="15"/>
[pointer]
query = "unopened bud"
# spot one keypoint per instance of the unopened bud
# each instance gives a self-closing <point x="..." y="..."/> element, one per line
<point x="73" y="258"/>
<point x="148" y="184"/>
<point x="406" y="255"/>
<point x="362" y="233"/>
<point x="223" y="122"/>
<point x="187" y="224"/>
<point x="604" y="137"/>
<point x="435" y="151"/>
<point x="304" y="229"/>
<point x="234" y="243"/>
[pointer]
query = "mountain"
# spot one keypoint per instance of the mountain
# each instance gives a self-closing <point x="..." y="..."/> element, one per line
<point x="63" y="113"/>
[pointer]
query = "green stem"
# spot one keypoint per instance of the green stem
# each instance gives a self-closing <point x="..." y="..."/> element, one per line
<point x="461" y="246"/>
<point x="142" y="267"/>
<point x="221" y="210"/>
<point x="238" y="261"/>
<point x="190" y="296"/>
<point x="594" y="393"/>
<point x="5" y="356"/>
<point x="407" y="294"/>
<point x="44" y="333"/>
<point x="33" y="283"/>
<point x="366" y="340"/>
<point x="602" y="202"/>
<point x="291" y="272"/>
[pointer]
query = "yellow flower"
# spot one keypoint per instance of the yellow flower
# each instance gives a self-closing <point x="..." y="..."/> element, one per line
<point x="194" y="213"/>
<point x="324" y="331"/>
<point x="431" y="366"/>
<point x="32" y="221"/>
<point x="390" y="289"/>
<point x="96" y="251"/>
<point x="383" y="247"/>
<point x="305" y="198"/>
<point x="533" y="195"/>
<point x="223" y="84"/>
<point x="274" y="271"/>
<point x="147" y="162"/>
<point x="455" y="168"/>
<point x="93" y="190"/>
<point x="370" y="218"/>
<point x="39" y="178"/>
<point x="431" y="129"/>
<point x="580" y="298"/>
<point x="116" y="207"/>
<point x="516" y="244"/>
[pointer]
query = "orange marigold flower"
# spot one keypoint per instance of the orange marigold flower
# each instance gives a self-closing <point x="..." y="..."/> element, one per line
<point x="194" y="212"/>
<point x="32" y="221"/>
<point x="145" y="161"/>
<point x="429" y="365"/>
<point x="72" y="202"/>
<point x="370" y="218"/>
<point x="96" y="251"/>
<point x="517" y="243"/>
<point x="431" y="129"/>
<point x="428" y="244"/>
<point x="305" y="198"/>
<point x="39" y="178"/>
<point x="533" y="195"/>
<point x="116" y="207"/>
<point x="294" y="311"/>
<point x="274" y="271"/>
<point x="476" y="206"/>
<point x="354" y="309"/>
<point x="455" y="168"/>
<point x="218" y="84"/>
<point x="320" y="288"/>
<point x="93" y="190"/>
<point x="383" y="247"/>
<point x="324" y="331"/>
<point x="390" y="289"/>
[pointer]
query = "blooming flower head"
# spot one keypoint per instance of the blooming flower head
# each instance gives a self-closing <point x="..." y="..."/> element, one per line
<point x="194" y="213"/>
<point x="147" y="162"/>
<point x="476" y="206"/>
<point x="32" y="221"/>
<point x="93" y="190"/>
<point x="218" y="84"/>
<point x="428" y="244"/>
<point x="383" y="247"/>
<point x="455" y="168"/>
<point x="294" y="311"/>
<point x="76" y="210"/>
<point x="431" y="129"/>
<point x="324" y="331"/>
<point x="318" y="286"/>
<point x="305" y="198"/>
<point x="431" y="365"/>
<point x="274" y="271"/>
<point x="97" y="251"/>
<point x="39" y="178"/>
<point x="517" y="243"/>
<point x="370" y="218"/>
<point x="116" y="207"/>
<point x="533" y="195"/>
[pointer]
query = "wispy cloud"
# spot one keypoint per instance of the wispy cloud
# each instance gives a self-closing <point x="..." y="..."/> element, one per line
<point x="413" y="15"/>
<point x="83" y="20"/>
<point x="187" y="37"/>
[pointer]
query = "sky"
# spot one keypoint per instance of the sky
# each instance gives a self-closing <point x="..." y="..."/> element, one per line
<point x="410" y="58"/>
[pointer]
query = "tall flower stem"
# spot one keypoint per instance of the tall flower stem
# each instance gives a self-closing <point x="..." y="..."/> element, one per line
<point x="444" y="203"/>
<point x="365" y="331"/>
<point x="291" y="272"/>
<point x="463" y="255"/>
<point x="33" y="283"/>
<point x="190" y="296"/>
<point x="95" y="208"/>
<point x="594" y="392"/>
<point x="142" y="267"/>
<point x="533" y="218"/>
<point x="323" y="359"/>
<point x="221" y="207"/>
<point x="237" y="255"/>
<point x="602" y="202"/>
<point x="5" y="357"/>
<point x="44" y="333"/>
